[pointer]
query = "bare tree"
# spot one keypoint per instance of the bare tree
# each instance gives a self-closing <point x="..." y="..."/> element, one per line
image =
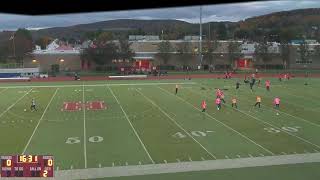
<point x="184" y="53"/>
<point x="285" y="54"/>
<point x="209" y="48"/>
<point x="165" y="49"/>
<point x="234" y="52"/>
<point x="262" y="52"/>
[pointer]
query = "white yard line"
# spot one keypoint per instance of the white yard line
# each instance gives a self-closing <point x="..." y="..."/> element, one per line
<point x="228" y="127"/>
<point x="134" y="130"/>
<point x="264" y="122"/>
<point x="84" y="129"/>
<point x="296" y="117"/>
<point x="15" y="103"/>
<point x="177" y="124"/>
<point x="35" y="129"/>
<point x="250" y="162"/>
<point x="95" y="85"/>
<point x="3" y="90"/>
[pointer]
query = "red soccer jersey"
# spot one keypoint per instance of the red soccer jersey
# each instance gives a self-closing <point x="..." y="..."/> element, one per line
<point x="203" y="104"/>
<point x="267" y="83"/>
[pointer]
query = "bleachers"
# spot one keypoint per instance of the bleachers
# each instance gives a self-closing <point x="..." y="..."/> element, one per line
<point x="9" y="75"/>
<point x="18" y="73"/>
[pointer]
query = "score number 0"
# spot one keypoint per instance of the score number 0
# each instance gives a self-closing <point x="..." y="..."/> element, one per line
<point x="45" y="172"/>
<point x="8" y="162"/>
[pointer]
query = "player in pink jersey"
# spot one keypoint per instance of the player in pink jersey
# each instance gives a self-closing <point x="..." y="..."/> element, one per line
<point x="218" y="103"/>
<point x="218" y="93"/>
<point x="276" y="102"/>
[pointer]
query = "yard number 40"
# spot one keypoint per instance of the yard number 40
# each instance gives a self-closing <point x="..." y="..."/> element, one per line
<point x="75" y="140"/>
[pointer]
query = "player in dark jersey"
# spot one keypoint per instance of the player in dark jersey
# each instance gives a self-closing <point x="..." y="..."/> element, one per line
<point x="237" y="85"/>
<point x="33" y="105"/>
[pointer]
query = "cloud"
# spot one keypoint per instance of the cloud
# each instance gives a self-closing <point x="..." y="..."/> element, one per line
<point x="220" y="12"/>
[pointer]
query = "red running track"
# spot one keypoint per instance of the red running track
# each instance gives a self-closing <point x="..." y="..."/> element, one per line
<point x="198" y="76"/>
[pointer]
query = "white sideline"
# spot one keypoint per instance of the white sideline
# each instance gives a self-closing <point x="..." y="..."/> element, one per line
<point x="129" y="76"/>
<point x="35" y="129"/>
<point x="93" y="173"/>
<point x="134" y="130"/>
<point x="94" y="85"/>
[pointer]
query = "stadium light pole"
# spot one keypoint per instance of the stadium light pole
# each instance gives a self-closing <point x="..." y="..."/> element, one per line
<point x="200" y="38"/>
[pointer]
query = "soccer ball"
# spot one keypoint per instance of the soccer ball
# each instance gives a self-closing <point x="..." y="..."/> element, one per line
<point x="25" y="110"/>
<point x="277" y="114"/>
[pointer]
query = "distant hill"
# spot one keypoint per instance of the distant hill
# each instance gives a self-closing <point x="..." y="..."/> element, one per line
<point x="121" y="25"/>
<point x="289" y="24"/>
<point x="294" y="24"/>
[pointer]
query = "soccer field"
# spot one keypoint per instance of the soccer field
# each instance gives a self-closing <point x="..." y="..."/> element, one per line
<point x="98" y="124"/>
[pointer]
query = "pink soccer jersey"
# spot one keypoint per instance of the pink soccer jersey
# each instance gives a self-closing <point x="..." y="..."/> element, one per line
<point x="276" y="101"/>
<point x="218" y="101"/>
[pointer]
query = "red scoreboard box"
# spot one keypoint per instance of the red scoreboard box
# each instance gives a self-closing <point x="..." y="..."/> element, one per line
<point x="27" y="166"/>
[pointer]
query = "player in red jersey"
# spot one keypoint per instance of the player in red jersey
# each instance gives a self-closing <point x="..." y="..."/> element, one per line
<point x="204" y="105"/>
<point x="268" y="85"/>
<point x="280" y="77"/>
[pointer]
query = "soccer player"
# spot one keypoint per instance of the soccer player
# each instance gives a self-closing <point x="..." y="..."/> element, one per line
<point x="218" y="93"/>
<point x="33" y="105"/>
<point x="258" y="101"/>
<point x="234" y="102"/>
<point x="222" y="97"/>
<point x="177" y="87"/>
<point x="204" y="105"/>
<point x="253" y="80"/>
<point x="259" y="81"/>
<point x="245" y="79"/>
<point x="280" y="77"/>
<point x="268" y="85"/>
<point x="218" y="103"/>
<point x="237" y="85"/>
<point x="276" y="102"/>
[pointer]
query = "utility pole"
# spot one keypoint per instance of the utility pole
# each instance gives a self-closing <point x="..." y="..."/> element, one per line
<point x="13" y="45"/>
<point x="200" y="38"/>
<point x="209" y="32"/>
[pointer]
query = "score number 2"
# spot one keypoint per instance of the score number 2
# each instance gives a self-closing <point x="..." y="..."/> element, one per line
<point x="49" y="163"/>
<point x="45" y="173"/>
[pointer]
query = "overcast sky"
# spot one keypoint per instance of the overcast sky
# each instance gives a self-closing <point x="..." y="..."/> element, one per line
<point x="222" y="12"/>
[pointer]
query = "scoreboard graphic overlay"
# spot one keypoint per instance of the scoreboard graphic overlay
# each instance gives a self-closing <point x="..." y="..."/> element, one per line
<point x="27" y="166"/>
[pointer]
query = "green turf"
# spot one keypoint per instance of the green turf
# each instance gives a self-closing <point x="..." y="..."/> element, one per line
<point x="146" y="123"/>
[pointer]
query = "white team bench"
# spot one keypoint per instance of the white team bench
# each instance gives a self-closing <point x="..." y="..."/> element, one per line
<point x="129" y="76"/>
<point x="16" y="78"/>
